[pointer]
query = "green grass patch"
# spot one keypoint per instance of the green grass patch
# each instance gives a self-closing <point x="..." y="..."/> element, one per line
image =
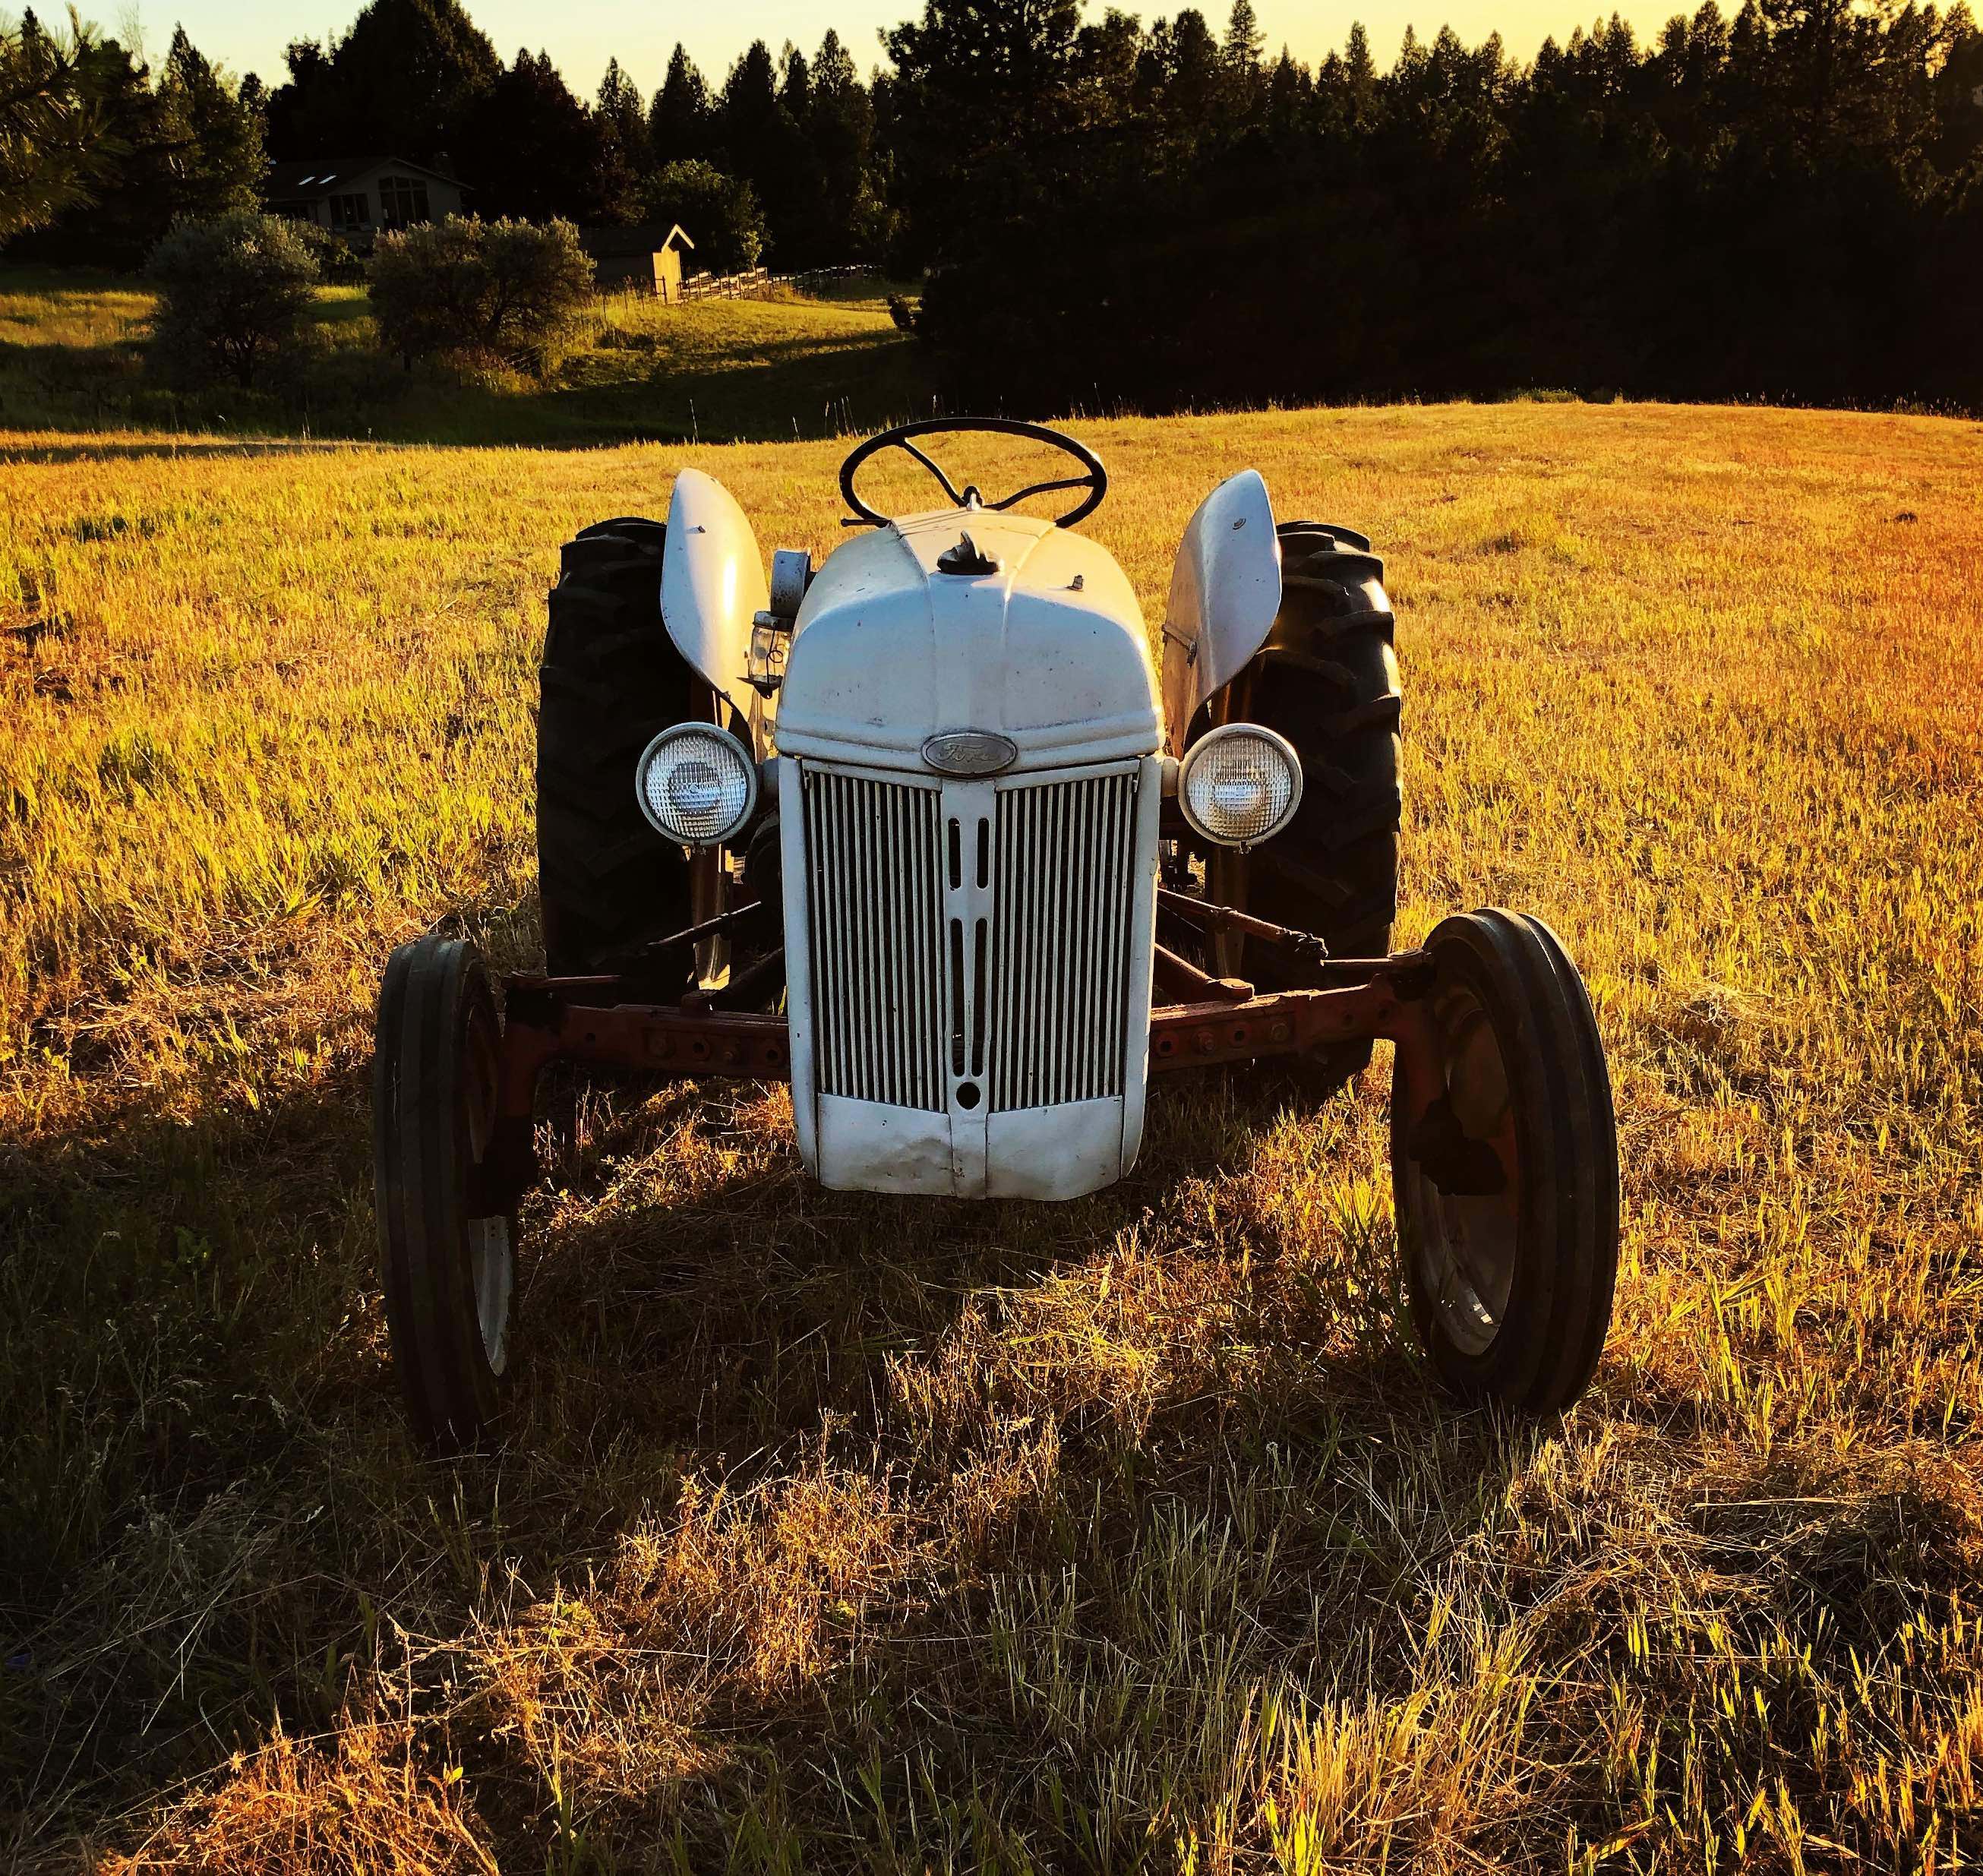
<point x="72" y="359"/>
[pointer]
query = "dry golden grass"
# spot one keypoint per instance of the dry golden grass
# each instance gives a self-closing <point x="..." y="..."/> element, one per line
<point x="839" y="1531"/>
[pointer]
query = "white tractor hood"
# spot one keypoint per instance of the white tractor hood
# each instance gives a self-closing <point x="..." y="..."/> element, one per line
<point x="1049" y="650"/>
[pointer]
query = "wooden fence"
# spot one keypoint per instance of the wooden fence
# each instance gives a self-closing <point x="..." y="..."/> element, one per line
<point x="759" y="282"/>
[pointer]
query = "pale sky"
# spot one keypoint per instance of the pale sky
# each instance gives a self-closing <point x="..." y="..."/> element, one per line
<point x="248" y="35"/>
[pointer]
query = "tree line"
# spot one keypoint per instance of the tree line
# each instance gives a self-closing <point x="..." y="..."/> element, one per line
<point x="1787" y="203"/>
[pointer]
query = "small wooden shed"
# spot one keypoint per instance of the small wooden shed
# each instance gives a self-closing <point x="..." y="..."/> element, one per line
<point x="645" y="259"/>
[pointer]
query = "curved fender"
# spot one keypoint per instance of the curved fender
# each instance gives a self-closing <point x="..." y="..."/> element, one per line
<point x="713" y="585"/>
<point x="1226" y="589"/>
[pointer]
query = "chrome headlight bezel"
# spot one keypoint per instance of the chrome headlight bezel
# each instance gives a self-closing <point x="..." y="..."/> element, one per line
<point x="734" y="765"/>
<point x="1271" y="744"/>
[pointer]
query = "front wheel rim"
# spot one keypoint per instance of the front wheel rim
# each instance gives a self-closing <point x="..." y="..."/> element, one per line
<point x="492" y="1253"/>
<point x="491" y="1263"/>
<point x="1467" y="1245"/>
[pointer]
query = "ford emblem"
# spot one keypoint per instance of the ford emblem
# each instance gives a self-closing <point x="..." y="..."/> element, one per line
<point x="970" y="752"/>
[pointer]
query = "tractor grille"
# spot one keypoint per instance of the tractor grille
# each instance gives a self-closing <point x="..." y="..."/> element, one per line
<point x="946" y="947"/>
<point x="879" y="1007"/>
<point x="1060" y="949"/>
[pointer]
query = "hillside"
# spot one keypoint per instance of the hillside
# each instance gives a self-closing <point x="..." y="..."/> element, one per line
<point x="71" y="359"/>
<point x="845" y="1532"/>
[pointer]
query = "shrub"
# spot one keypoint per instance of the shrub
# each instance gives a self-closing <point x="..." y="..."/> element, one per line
<point x="231" y="296"/>
<point x="514" y="290"/>
<point x="720" y="212"/>
<point x="338" y="261"/>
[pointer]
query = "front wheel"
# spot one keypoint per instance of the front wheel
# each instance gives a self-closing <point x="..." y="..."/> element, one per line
<point x="447" y="1268"/>
<point x="1507" y="1182"/>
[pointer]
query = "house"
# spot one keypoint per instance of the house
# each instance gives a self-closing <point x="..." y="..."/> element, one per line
<point x="359" y="195"/>
<point x="645" y="258"/>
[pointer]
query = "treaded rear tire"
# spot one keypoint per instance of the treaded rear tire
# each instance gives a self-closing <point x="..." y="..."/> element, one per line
<point x="1327" y="678"/>
<point x="1552" y="1234"/>
<point x="611" y="680"/>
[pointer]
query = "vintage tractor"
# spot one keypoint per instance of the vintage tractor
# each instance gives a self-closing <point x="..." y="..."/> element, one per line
<point x="926" y="832"/>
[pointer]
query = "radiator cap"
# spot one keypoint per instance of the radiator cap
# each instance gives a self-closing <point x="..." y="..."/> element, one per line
<point x="970" y="752"/>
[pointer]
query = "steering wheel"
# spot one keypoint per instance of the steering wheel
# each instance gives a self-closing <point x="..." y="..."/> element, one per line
<point x="1095" y="478"/>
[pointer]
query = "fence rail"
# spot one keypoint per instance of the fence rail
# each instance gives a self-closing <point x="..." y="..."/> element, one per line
<point x="760" y="282"/>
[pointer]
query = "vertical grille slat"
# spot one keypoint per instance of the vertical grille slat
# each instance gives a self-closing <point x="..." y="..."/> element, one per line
<point x="1030" y="997"/>
<point x="1060" y="932"/>
<point x="875" y="869"/>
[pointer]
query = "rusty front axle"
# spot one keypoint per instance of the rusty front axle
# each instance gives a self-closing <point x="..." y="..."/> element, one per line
<point x="582" y="1020"/>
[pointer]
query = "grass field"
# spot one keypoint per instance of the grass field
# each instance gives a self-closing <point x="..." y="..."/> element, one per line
<point x="841" y="1532"/>
<point x="72" y="359"/>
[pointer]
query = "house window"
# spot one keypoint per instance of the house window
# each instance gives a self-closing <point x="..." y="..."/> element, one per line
<point x="402" y="200"/>
<point x="349" y="212"/>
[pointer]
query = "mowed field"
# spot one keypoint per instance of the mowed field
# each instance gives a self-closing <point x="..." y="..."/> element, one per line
<point x="839" y="1531"/>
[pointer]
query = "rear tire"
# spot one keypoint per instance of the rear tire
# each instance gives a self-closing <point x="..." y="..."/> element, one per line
<point x="611" y="680"/>
<point x="1327" y="678"/>
<point x="1510" y="1289"/>
<point x="449" y="1277"/>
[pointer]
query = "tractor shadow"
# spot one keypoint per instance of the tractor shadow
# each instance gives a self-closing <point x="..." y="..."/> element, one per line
<point x="679" y="1269"/>
<point x="1216" y="1425"/>
<point x="1028" y="1386"/>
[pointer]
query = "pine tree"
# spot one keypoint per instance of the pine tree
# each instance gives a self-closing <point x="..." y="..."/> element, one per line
<point x="532" y="150"/>
<point x="679" y="122"/>
<point x="619" y="128"/>
<point x="404" y="81"/>
<point x="53" y="129"/>
<point x="1239" y="56"/>
<point x="211" y="143"/>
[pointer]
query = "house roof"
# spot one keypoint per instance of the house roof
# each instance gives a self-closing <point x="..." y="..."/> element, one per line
<point x="641" y="237"/>
<point x="321" y="176"/>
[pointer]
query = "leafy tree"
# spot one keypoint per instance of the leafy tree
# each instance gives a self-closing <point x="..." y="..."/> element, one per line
<point x="720" y="213"/>
<point x="233" y="293"/>
<point x="1106" y="56"/>
<point x="505" y="289"/>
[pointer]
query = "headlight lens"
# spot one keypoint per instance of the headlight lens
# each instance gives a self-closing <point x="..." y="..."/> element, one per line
<point x="696" y="783"/>
<point x="1240" y="784"/>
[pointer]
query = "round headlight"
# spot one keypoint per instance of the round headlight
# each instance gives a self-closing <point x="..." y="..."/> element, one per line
<point x="1240" y="784"/>
<point x="696" y="783"/>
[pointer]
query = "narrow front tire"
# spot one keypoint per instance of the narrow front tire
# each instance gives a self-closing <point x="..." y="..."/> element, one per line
<point x="1506" y="1183"/>
<point x="447" y="1266"/>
